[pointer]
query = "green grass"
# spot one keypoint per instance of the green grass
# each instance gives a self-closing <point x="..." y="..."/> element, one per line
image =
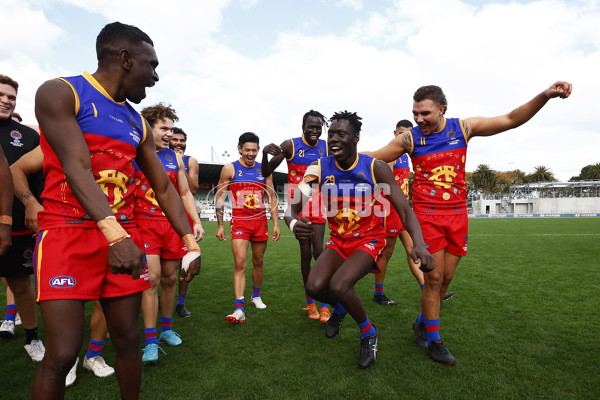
<point x="523" y="324"/>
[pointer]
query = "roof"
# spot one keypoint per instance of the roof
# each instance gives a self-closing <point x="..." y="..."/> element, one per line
<point x="211" y="173"/>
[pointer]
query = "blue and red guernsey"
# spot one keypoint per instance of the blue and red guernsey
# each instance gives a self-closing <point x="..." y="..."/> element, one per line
<point x="352" y="210"/>
<point x="112" y="131"/>
<point x="439" y="166"/>
<point x="247" y="189"/>
<point x="302" y="156"/>
<point x="401" y="171"/>
<point x="146" y="205"/>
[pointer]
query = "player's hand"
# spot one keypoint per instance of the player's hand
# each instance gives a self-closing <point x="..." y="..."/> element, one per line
<point x="192" y="271"/>
<point x="198" y="232"/>
<point x="220" y="232"/>
<point x="303" y="229"/>
<point x="272" y="149"/>
<point x="31" y="219"/>
<point x="5" y="238"/>
<point x="422" y="258"/>
<point x="560" y="89"/>
<point x="125" y="257"/>
<point x="276" y="232"/>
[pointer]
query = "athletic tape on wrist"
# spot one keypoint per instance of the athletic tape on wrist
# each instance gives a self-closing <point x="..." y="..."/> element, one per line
<point x="190" y="243"/>
<point x="292" y="224"/>
<point x="112" y="230"/>
<point x="6" y="219"/>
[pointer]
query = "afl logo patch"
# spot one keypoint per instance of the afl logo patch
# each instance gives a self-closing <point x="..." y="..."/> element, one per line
<point x="451" y="134"/>
<point x="16" y="134"/>
<point x="62" y="282"/>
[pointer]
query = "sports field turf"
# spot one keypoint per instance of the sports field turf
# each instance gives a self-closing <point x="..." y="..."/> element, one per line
<point x="523" y="324"/>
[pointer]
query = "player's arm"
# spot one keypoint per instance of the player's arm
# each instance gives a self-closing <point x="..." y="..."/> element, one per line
<point x="224" y="181"/>
<point x="302" y="228"/>
<point x="6" y="202"/>
<point x="272" y="196"/>
<point x="169" y="201"/>
<point x="393" y="150"/>
<point x="419" y="253"/>
<point x="481" y="126"/>
<point x="55" y="111"/>
<point x="30" y="163"/>
<point x="278" y="152"/>
<point x="192" y="176"/>
<point x="189" y="204"/>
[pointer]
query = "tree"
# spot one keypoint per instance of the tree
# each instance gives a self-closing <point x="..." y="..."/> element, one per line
<point x="590" y="172"/>
<point x="484" y="177"/>
<point x="541" y="174"/>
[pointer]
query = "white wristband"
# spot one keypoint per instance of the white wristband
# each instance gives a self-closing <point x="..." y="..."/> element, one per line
<point x="292" y="224"/>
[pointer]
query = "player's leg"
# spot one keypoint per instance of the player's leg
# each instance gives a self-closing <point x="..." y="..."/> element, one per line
<point x="305" y="261"/>
<point x="121" y="317"/>
<point x="180" y="308"/>
<point x="239" y="247"/>
<point x="93" y="360"/>
<point x="11" y="311"/>
<point x="341" y="286"/>
<point x="317" y="249"/>
<point x="167" y="299"/>
<point x="150" y="309"/>
<point x="450" y="263"/>
<point x="63" y="320"/>
<point x="258" y="271"/>
<point x="379" y="296"/>
<point x="414" y="268"/>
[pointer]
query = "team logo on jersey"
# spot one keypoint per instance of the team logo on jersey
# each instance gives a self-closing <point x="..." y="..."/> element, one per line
<point x="361" y="176"/>
<point x="445" y="171"/>
<point x="293" y="172"/>
<point x="451" y="134"/>
<point x="16" y="135"/>
<point x="134" y="124"/>
<point x="169" y="157"/>
<point x="321" y="151"/>
<point x="62" y="282"/>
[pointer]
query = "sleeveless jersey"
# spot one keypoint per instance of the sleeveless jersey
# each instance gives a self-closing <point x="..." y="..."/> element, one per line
<point x="112" y="131"/>
<point x="438" y="161"/>
<point x="186" y="163"/>
<point x="247" y="189"/>
<point x="146" y="205"/>
<point x="401" y="172"/>
<point x="302" y="156"/>
<point x="349" y="197"/>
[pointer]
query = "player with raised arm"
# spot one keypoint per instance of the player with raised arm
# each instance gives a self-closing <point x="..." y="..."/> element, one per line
<point x="438" y="150"/>
<point x="299" y="153"/>
<point x="350" y="184"/>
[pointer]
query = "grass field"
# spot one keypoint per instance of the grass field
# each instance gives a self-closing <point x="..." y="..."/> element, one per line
<point x="523" y="324"/>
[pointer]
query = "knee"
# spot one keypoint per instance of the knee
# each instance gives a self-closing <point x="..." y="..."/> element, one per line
<point x="257" y="261"/>
<point x="168" y="280"/>
<point x="314" y="287"/>
<point x="338" y="288"/>
<point x="433" y="279"/>
<point x="20" y="286"/>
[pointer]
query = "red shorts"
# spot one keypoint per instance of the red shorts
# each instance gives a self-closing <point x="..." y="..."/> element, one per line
<point x="448" y="232"/>
<point x="72" y="263"/>
<point x="314" y="209"/>
<point x="374" y="245"/>
<point x="393" y="224"/>
<point x="160" y="238"/>
<point x="253" y="229"/>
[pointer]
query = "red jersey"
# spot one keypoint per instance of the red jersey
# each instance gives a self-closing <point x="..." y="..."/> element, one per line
<point x="247" y="189"/>
<point x="439" y="166"/>
<point x="401" y="170"/>
<point x="146" y="205"/>
<point x="112" y="131"/>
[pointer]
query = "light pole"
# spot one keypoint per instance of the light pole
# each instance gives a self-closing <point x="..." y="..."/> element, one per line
<point x="225" y="154"/>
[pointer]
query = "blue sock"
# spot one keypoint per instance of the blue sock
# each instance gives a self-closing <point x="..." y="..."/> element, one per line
<point x="366" y="329"/>
<point x="150" y="334"/>
<point x="239" y="304"/>
<point x="181" y="299"/>
<point x="255" y="291"/>
<point x="433" y="330"/>
<point x="420" y="319"/>
<point x="324" y="305"/>
<point x="309" y="299"/>
<point x="166" y="324"/>
<point x="378" y="289"/>
<point x="11" y="312"/>
<point x="94" y="348"/>
<point x="339" y="309"/>
<point x="421" y="286"/>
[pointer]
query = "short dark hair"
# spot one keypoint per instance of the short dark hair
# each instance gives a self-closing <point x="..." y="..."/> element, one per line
<point x="7" y="80"/>
<point x="179" y="131"/>
<point x="248" y="137"/>
<point x="113" y="37"/>
<point x="404" y="123"/>
<point x="433" y="93"/>
<point x="313" y="113"/>
<point x="353" y="118"/>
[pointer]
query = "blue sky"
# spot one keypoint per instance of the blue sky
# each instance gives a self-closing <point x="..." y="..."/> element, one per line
<point x="230" y="66"/>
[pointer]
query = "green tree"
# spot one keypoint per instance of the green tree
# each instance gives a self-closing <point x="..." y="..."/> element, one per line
<point x="484" y="178"/>
<point x="590" y="172"/>
<point x="541" y="174"/>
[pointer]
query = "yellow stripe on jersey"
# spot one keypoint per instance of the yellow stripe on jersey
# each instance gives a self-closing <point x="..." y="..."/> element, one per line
<point x="77" y="104"/>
